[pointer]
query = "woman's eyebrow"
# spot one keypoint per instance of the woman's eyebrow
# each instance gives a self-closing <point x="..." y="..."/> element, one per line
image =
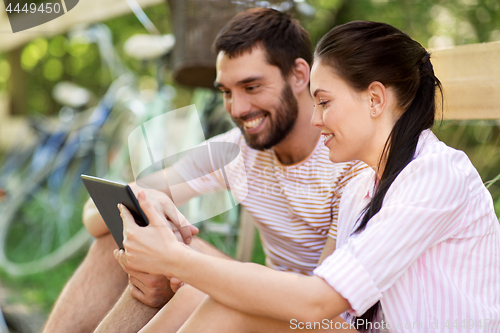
<point x="318" y="91"/>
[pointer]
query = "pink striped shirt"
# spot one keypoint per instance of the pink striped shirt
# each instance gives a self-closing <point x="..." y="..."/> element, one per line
<point x="432" y="253"/>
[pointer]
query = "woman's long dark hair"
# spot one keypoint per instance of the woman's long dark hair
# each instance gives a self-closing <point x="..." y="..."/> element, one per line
<point x="364" y="52"/>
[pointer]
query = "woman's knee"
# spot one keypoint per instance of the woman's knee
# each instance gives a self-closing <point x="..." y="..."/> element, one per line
<point x="212" y="316"/>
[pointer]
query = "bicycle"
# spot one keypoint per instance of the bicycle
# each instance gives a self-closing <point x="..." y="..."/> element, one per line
<point x="28" y="156"/>
<point x="47" y="205"/>
<point x="40" y="223"/>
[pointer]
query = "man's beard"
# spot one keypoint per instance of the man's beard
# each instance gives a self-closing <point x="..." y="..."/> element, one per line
<point x="281" y="122"/>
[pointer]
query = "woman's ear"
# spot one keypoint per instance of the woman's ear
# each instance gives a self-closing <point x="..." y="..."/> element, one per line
<point x="377" y="93"/>
<point x="299" y="78"/>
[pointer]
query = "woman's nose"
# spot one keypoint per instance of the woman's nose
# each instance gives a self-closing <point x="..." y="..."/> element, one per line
<point x="317" y="118"/>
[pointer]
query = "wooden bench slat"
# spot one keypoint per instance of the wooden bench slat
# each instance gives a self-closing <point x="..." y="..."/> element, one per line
<point x="470" y="75"/>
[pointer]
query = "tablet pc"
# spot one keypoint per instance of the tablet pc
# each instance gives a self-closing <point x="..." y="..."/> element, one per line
<point x="106" y="196"/>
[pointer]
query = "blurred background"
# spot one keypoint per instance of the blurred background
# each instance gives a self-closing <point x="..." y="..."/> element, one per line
<point x="72" y="89"/>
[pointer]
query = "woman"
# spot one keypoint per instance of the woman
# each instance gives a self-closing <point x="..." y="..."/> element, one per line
<point x="419" y="243"/>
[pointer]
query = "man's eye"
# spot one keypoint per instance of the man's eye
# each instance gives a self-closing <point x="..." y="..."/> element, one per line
<point x="251" y="88"/>
<point x="225" y="92"/>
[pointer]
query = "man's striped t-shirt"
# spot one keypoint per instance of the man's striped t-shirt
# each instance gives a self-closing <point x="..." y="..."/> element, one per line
<point x="294" y="206"/>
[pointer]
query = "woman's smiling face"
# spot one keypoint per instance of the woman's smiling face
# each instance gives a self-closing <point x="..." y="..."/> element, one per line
<point x="342" y="114"/>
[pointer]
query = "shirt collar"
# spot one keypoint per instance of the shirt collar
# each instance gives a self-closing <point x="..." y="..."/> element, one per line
<point x="425" y="137"/>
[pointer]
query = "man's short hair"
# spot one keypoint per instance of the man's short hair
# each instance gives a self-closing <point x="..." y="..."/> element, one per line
<point x="282" y="38"/>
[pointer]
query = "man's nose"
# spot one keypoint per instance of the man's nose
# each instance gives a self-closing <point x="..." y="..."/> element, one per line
<point x="240" y="105"/>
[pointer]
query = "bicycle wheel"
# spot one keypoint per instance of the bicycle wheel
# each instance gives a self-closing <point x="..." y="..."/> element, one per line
<point x="40" y="226"/>
<point x="18" y="156"/>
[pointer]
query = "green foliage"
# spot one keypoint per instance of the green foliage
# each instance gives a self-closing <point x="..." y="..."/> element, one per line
<point x="479" y="140"/>
<point x="258" y="255"/>
<point x="4" y="72"/>
<point x="409" y="16"/>
<point x="40" y="290"/>
<point x="432" y="23"/>
<point x="47" y="61"/>
<point x="33" y="53"/>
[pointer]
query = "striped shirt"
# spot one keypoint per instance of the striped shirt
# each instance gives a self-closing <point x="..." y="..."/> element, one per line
<point x="431" y="255"/>
<point x="295" y="207"/>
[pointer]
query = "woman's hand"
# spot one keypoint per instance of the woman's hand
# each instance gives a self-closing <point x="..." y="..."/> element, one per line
<point x="164" y="206"/>
<point x="151" y="249"/>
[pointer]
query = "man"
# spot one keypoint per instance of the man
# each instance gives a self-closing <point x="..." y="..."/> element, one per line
<point x="293" y="189"/>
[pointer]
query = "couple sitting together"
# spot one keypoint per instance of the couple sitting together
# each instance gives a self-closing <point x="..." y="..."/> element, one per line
<point x="378" y="225"/>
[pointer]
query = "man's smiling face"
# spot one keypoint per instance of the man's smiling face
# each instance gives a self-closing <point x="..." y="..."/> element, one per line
<point x="259" y="99"/>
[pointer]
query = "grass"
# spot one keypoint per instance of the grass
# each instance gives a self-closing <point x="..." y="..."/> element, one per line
<point x="39" y="291"/>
